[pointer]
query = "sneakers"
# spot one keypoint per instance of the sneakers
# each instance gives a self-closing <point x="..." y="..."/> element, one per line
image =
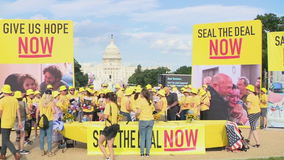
<point x="24" y="152"/>
<point x="142" y="155"/>
<point x="108" y="158"/>
<point x="147" y="155"/>
<point x="28" y="142"/>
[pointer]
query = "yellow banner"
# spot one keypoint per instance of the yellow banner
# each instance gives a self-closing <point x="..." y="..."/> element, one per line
<point x="36" y="41"/>
<point x="227" y="43"/>
<point x="166" y="140"/>
<point x="275" y="42"/>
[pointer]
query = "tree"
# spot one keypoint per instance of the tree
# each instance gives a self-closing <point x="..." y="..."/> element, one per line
<point x="270" y="23"/>
<point x="81" y="79"/>
<point x="148" y="76"/>
<point x="183" y="70"/>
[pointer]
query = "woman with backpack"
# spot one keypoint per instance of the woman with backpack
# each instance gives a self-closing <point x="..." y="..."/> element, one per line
<point x="110" y="115"/>
<point x="46" y="111"/>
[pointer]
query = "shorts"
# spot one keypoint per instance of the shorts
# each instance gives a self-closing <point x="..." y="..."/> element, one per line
<point x="34" y="119"/>
<point x="16" y="127"/>
<point x="109" y="133"/>
<point x="87" y="113"/>
<point x="253" y="119"/>
<point x="263" y="112"/>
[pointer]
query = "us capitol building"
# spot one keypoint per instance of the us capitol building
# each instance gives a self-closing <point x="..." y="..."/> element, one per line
<point x="111" y="68"/>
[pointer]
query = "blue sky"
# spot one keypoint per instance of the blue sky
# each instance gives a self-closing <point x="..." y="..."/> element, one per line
<point x="147" y="32"/>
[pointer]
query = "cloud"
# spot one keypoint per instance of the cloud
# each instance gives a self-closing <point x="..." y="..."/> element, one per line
<point x="172" y="29"/>
<point x="38" y="16"/>
<point x="198" y="14"/>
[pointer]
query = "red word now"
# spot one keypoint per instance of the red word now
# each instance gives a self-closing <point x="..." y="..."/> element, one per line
<point x="35" y="47"/>
<point x="223" y="47"/>
<point x="177" y="139"/>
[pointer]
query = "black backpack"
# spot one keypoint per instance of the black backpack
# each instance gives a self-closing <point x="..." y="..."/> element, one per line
<point x="43" y="122"/>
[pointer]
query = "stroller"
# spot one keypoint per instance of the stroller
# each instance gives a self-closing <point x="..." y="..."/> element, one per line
<point x="236" y="140"/>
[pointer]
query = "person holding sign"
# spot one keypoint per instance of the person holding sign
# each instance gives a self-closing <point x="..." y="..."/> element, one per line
<point x="111" y="115"/>
<point x="88" y="102"/>
<point x="253" y="113"/>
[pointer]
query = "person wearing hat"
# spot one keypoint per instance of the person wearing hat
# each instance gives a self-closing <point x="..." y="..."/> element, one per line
<point x="185" y="105"/>
<point x="162" y="104"/>
<point x="46" y="107"/>
<point x="72" y="97"/>
<point x="63" y="102"/>
<point x="9" y="108"/>
<point x="195" y="102"/>
<point x="49" y="87"/>
<point x="204" y="104"/>
<point x="263" y="106"/>
<point x="135" y="100"/>
<point x="161" y="86"/>
<point x="126" y="105"/>
<point x="36" y="100"/>
<point x="101" y="102"/>
<point x="253" y="109"/>
<point x="88" y="103"/>
<point x="21" y="131"/>
<point x="28" y="98"/>
<point x="119" y="94"/>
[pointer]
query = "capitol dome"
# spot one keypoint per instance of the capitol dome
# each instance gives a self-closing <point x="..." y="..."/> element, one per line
<point x="112" y="53"/>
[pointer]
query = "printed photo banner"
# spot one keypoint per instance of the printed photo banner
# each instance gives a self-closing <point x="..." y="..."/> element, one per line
<point x="231" y="52"/>
<point x="166" y="140"/>
<point x="36" y="41"/>
<point x="275" y="54"/>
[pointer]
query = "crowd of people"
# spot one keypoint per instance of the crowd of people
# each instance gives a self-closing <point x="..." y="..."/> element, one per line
<point x="216" y="99"/>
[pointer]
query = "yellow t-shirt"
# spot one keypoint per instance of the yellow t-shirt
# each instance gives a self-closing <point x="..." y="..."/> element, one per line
<point x="254" y="104"/>
<point x="264" y="97"/>
<point x="134" y="103"/>
<point x="36" y="100"/>
<point x="196" y="101"/>
<point x="124" y="101"/>
<point x="87" y="101"/>
<point x="63" y="104"/>
<point x="46" y="110"/>
<point x="30" y="104"/>
<point x="181" y="102"/>
<point x="146" y="110"/>
<point x="119" y="94"/>
<point x="186" y="102"/>
<point x="8" y="106"/>
<point x="205" y="100"/>
<point x="208" y="94"/>
<point x="165" y="106"/>
<point x="112" y="111"/>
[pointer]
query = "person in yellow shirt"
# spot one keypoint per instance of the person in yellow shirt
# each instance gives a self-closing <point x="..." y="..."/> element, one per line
<point x="195" y="102"/>
<point x="74" y="98"/>
<point x="110" y="115"/>
<point x="63" y="102"/>
<point x="119" y="94"/>
<point x="204" y="105"/>
<point x="9" y="109"/>
<point x="46" y="107"/>
<point x="207" y="92"/>
<point x="126" y="105"/>
<point x="145" y="109"/>
<point x="162" y="105"/>
<point x="263" y="106"/>
<point x="36" y="101"/>
<point x="253" y="109"/>
<point x="185" y="105"/>
<point x="29" y="100"/>
<point x="88" y="103"/>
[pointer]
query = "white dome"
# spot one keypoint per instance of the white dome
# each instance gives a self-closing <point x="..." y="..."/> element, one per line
<point x="111" y="51"/>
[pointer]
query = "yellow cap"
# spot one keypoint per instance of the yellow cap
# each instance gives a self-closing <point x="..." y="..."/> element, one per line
<point x="91" y="86"/>
<point x="264" y="90"/>
<point x="182" y="89"/>
<point x="128" y="91"/>
<point x="250" y="88"/>
<point x="186" y="86"/>
<point x="175" y="89"/>
<point x="55" y="94"/>
<point x="71" y="87"/>
<point x="185" y="91"/>
<point x="189" y="86"/>
<point x="121" y="88"/>
<point x="138" y="90"/>
<point x="37" y="92"/>
<point x="30" y="92"/>
<point x="18" y="94"/>
<point x="160" y="85"/>
<point x="205" y="86"/>
<point x="148" y="87"/>
<point x="104" y="85"/>
<point x="62" y="88"/>
<point x="202" y="92"/>
<point x="173" y="86"/>
<point x="194" y="90"/>
<point x="139" y="86"/>
<point x="117" y="85"/>
<point x="49" y="86"/>
<point x="154" y="90"/>
<point x="6" y="89"/>
<point x="81" y="89"/>
<point x="162" y="92"/>
<point x="90" y="90"/>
